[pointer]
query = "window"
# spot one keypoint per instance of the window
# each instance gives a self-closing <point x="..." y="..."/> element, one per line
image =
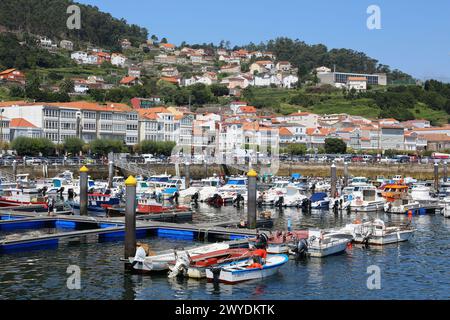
<point x="132" y="127"/>
<point x="54" y="125"/>
<point x="105" y="116"/>
<point x="89" y="126"/>
<point x="106" y="127"/>
<point x="51" y="113"/>
<point x="89" y="115"/>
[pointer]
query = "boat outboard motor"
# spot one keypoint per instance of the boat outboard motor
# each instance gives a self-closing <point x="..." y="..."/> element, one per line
<point x="336" y="207"/>
<point x="216" y="274"/>
<point x="238" y="200"/>
<point x="301" y="248"/>
<point x="279" y="203"/>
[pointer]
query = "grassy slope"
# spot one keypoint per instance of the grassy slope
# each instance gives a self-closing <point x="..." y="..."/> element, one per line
<point x="337" y="104"/>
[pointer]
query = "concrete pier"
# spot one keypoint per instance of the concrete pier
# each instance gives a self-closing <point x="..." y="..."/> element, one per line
<point x="436" y="176"/>
<point x="187" y="175"/>
<point x="346" y="174"/>
<point x="445" y="178"/>
<point x="14" y="165"/>
<point x="110" y="174"/>
<point x="84" y="191"/>
<point x="251" y="199"/>
<point x="333" y="180"/>
<point x="130" y="217"/>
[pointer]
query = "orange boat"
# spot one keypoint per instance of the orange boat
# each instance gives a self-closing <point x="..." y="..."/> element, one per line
<point x="394" y="191"/>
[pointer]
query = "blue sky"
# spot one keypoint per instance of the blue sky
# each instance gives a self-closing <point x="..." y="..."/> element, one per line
<point x="415" y="35"/>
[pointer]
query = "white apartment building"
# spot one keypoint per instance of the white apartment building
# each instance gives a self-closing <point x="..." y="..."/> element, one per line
<point x="88" y="121"/>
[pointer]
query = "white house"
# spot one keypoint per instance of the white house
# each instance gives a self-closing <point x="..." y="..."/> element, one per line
<point x="357" y="83"/>
<point x="289" y="81"/>
<point x="118" y="60"/>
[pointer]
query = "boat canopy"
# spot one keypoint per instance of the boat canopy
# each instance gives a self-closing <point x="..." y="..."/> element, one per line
<point x="319" y="196"/>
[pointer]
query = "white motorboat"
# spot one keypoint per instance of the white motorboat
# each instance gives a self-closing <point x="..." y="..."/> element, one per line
<point x="233" y="187"/>
<point x="446" y="204"/>
<point x="285" y="195"/>
<point x="244" y="270"/>
<point x="422" y="194"/>
<point x="161" y="261"/>
<point x="365" y="198"/>
<point x="320" y="245"/>
<point x="377" y="233"/>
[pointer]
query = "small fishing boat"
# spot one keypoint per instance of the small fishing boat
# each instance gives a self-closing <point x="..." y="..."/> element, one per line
<point x="98" y="204"/>
<point x="366" y="198"/>
<point x="320" y="244"/>
<point x="162" y="261"/>
<point x="195" y="267"/>
<point x="320" y="201"/>
<point x="233" y="187"/>
<point x="280" y="242"/>
<point x="21" y="197"/>
<point x="377" y="233"/>
<point x="243" y="270"/>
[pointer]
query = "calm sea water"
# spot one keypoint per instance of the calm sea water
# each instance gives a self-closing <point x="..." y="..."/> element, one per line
<point x="418" y="269"/>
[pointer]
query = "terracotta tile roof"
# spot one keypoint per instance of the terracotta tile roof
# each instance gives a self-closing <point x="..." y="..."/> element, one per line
<point x="285" y="132"/>
<point x="168" y="45"/>
<point x="299" y="114"/>
<point x="170" y="79"/>
<point x="7" y="71"/>
<point x="247" y="109"/>
<point x="83" y="105"/>
<point x="435" y="137"/>
<point x="21" y="123"/>
<point x="356" y="79"/>
<point x="127" y="80"/>
<point x="433" y="129"/>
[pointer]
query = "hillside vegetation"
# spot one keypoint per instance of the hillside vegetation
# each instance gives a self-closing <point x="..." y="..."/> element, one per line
<point x="431" y="102"/>
<point x="49" y="17"/>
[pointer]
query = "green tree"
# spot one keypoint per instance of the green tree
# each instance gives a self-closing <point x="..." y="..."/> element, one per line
<point x="296" y="149"/>
<point x="73" y="145"/>
<point x="335" y="146"/>
<point x="67" y="86"/>
<point x="102" y="147"/>
<point x="156" y="148"/>
<point x="25" y="146"/>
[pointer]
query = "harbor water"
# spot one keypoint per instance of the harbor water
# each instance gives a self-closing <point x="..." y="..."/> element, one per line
<point x="417" y="269"/>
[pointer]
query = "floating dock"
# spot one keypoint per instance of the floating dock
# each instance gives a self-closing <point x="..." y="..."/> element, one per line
<point x="68" y="229"/>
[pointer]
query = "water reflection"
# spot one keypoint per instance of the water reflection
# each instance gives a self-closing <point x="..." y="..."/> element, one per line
<point x="414" y="270"/>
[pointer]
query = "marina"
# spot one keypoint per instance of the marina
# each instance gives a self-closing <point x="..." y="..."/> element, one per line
<point x="226" y="243"/>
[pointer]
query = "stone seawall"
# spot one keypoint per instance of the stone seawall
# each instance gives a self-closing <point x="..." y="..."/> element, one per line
<point x="418" y="171"/>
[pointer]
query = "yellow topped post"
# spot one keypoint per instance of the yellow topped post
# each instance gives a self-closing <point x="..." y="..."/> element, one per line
<point x="84" y="191"/>
<point x="252" y="173"/>
<point x="131" y="181"/>
<point x="251" y="198"/>
<point x="130" y="217"/>
<point x="84" y="169"/>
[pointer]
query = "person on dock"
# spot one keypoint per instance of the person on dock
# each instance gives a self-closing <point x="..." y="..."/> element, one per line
<point x="70" y="194"/>
<point x="50" y="205"/>
<point x="195" y="197"/>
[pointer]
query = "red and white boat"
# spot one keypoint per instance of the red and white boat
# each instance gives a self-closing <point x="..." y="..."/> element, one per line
<point x="16" y="197"/>
<point x="150" y="206"/>
<point x="279" y="241"/>
<point x="195" y="267"/>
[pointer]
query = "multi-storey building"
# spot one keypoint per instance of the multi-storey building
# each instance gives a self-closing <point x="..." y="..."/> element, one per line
<point x="88" y="121"/>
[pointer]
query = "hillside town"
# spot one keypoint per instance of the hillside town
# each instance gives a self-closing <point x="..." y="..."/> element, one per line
<point x="234" y="124"/>
<point x="155" y="120"/>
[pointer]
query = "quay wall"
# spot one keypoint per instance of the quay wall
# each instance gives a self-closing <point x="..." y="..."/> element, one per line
<point x="418" y="171"/>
